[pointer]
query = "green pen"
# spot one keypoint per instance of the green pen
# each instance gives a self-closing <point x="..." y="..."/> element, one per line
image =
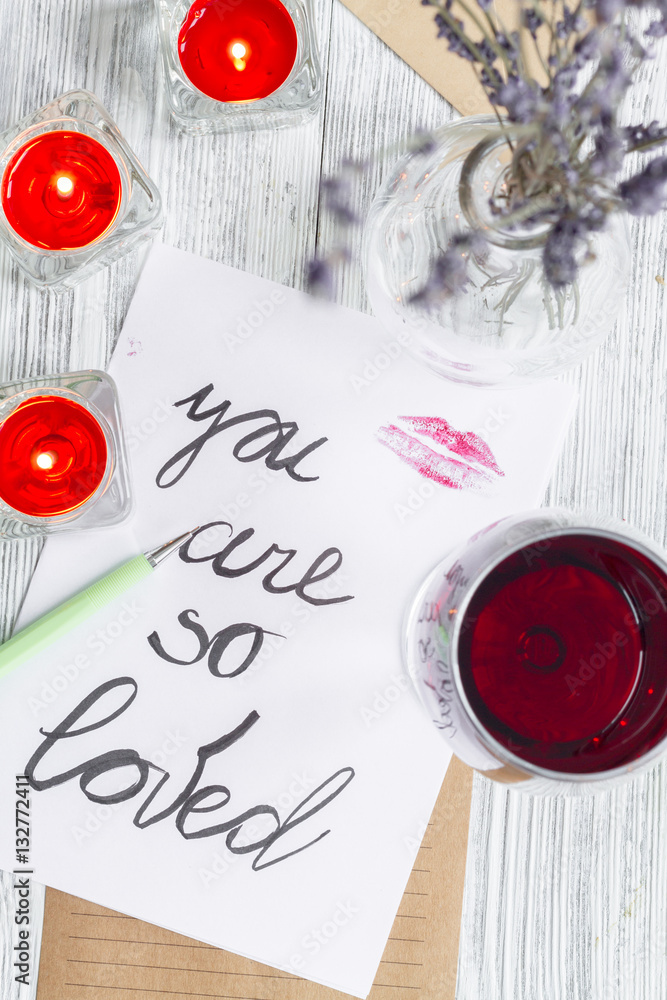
<point x="61" y="620"/>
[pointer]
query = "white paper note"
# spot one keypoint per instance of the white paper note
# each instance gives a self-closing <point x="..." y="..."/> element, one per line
<point x="345" y="479"/>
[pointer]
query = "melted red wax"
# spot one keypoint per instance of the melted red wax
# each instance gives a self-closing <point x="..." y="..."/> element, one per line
<point x="53" y="456"/>
<point x="237" y="51"/>
<point x="61" y="190"/>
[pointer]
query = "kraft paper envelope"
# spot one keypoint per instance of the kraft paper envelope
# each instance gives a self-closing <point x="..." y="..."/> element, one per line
<point x="90" y="951"/>
<point x="408" y="28"/>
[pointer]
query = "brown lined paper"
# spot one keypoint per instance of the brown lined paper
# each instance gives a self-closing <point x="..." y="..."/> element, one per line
<point x="91" y="953"/>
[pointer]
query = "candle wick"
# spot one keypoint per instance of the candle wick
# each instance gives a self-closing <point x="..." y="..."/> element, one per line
<point x="239" y="53"/>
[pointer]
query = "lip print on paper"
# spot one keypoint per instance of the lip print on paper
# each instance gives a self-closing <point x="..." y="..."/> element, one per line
<point x="474" y="468"/>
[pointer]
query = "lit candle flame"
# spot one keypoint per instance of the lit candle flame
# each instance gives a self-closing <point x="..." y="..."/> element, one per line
<point x="64" y="185"/>
<point x="45" y="461"/>
<point x="239" y="53"/>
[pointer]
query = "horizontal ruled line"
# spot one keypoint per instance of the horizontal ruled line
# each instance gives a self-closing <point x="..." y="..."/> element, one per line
<point x="109" y="916"/>
<point x="409" y="892"/>
<point x="385" y="961"/>
<point x="175" y="968"/>
<point x="412" y="940"/>
<point x="397" y="986"/>
<point x="410" y="916"/>
<point x="153" y="944"/>
<point x="176" y="993"/>
<point x="426" y="871"/>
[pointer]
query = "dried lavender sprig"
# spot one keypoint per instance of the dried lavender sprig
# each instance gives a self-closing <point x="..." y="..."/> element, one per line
<point x="336" y="198"/>
<point x="452" y="29"/>
<point x="320" y="272"/>
<point x="555" y="178"/>
<point x="490" y="38"/>
<point x="642" y="137"/>
<point x="450" y="26"/>
<point x="646" y="192"/>
<point x="449" y="272"/>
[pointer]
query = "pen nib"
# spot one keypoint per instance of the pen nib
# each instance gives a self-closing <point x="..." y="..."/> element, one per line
<point x="158" y="555"/>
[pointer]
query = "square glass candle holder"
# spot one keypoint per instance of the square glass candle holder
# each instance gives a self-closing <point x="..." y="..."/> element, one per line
<point x="63" y="464"/>
<point x="232" y="65"/>
<point x="73" y="196"/>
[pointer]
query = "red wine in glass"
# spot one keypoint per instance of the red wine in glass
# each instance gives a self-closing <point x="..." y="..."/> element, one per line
<point x="562" y="653"/>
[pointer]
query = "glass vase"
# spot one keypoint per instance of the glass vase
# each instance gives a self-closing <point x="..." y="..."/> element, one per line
<point x="509" y="325"/>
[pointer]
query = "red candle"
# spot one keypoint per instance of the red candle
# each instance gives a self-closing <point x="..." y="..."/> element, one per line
<point x="61" y="190"/>
<point x="239" y="52"/>
<point x="53" y="456"/>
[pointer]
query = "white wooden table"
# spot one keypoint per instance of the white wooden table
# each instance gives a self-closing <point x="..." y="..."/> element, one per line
<point x="564" y="900"/>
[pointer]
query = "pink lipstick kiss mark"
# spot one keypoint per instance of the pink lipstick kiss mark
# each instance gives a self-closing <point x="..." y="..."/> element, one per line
<point x="443" y="468"/>
<point x="467" y="444"/>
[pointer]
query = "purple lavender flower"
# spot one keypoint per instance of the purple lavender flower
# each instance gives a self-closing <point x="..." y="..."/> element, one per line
<point x="637" y="136"/>
<point x="607" y="10"/>
<point x="609" y="153"/>
<point x="559" y="258"/>
<point x="449" y="272"/>
<point x="586" y="48"/>
<point x="455" y="43"/>
<point x="448" y="276"/>
<point x="559" y="109"/>
<point x="644" y="194"/>
<point x="510" y="43"/>
<point x="599" y="103"/>
<point x="320" y="277"/>
<point x="336" y="193"/>
<point x="531" y="20"/>
<point x="511" y="47"/>
<point x="487" y="51"/>
<point x="422" y="143"/>
<point x="519" y="98"/>
<point x="658" y="29"/>
<point x="593" y="218"/>
<point x="491" y="79"/>
<point x="572" y="23"/>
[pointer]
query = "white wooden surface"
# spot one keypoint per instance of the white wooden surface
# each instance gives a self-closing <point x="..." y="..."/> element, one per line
<point x="563" y="900"/>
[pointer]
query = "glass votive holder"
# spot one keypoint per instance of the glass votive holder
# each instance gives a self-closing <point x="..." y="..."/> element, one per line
<point x="63" y="465"/>
<point x="232" y="65"/>
<point x="539" y="647"/>
<point x="73" y="196"/>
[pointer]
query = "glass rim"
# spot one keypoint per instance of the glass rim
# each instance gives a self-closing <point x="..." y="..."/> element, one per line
<point x="11" y="403"/>
<point x="93" y="131"/>
<point x="494" y="747"/>
<point x="533" y="239"/>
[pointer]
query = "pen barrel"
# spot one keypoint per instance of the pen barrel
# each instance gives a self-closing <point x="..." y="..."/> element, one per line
<point x="63" y="619"/>
<point x="115" y="584"/>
